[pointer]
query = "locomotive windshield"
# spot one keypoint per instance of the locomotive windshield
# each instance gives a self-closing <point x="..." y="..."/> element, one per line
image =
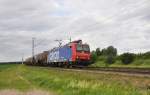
<point x="79" y="47"/>
<point x="84" y="48"/>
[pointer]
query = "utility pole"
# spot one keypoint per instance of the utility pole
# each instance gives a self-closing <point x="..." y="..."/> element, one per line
<point x="33" y="49"/>
<point x="70" y="39"/>
<point x="22" y="58"/>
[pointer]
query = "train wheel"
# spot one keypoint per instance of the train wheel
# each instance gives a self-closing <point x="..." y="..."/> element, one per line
<point x="58" y="64"/>
<point x="64" y="64"/>
<point x="69" y="66"/>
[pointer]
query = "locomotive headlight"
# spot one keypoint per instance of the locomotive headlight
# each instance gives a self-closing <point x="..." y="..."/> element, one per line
<point x="88" y="58"/>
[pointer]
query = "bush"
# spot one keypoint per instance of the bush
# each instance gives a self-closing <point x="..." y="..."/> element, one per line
<point x="127" y="58"/>
<point x="146" y="55"/>
<point x="93" y="56"/>
<point x="110" y="59"/>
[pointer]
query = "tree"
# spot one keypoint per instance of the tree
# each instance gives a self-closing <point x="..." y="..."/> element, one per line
<point x="98" y="52"/>
<point x="109" y="51"/>
<point x="104" y="51"/>
<point x="127" y="58"/>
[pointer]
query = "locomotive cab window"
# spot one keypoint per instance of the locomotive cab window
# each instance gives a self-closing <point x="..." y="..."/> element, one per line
<point x="86" y="48"/>
<point x="79" y="47"/>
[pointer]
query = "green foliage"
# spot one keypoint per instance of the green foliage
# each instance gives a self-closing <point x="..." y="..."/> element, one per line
<point x="109" y="51"/>
<point x="146" y="55"/>
<point x="93" y="57"/>
<point x="108" y="56"/>
<point x="127" y="58"/>
<point x="143" y="56"/>
<point x="98" y="52"/>
<point x="110" y="59"/>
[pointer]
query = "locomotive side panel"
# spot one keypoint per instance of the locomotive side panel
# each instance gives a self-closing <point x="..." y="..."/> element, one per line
<point x="65" y="54"/>
<point x="62" y="54"/>
<point x="53" y="56"/>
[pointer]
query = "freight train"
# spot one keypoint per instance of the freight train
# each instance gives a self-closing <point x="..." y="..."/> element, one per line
<point x="73" y="53"/>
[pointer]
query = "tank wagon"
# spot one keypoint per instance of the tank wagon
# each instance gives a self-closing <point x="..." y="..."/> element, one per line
<point x="73" y="53"/>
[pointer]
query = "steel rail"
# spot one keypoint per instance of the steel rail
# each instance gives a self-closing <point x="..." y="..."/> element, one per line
<point x="116" y="69"/>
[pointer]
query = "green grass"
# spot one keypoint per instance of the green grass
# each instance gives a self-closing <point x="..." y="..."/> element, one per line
<point x="25" y="78"/>
<point x="10" y="78"/>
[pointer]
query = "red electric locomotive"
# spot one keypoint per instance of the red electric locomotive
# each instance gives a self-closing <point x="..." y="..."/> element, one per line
<point x="80" y="53"/>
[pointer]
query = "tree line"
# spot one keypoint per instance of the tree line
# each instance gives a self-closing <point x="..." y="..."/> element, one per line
<point x="111" y="55"/>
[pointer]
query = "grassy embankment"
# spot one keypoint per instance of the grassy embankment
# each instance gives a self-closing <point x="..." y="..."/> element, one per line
<point x="138" y="63"/>
<point x="24" y="78"/>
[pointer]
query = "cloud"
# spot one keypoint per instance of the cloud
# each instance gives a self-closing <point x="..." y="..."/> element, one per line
<point x="123" y="24"/>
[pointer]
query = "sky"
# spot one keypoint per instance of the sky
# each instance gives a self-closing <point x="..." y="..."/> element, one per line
<point x="125" y="24"/>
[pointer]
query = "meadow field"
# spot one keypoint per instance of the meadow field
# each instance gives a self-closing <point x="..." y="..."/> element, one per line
<point x="15" y="78"/>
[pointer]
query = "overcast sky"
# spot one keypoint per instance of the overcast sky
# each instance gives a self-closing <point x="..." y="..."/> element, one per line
<point x="125" y="24"/>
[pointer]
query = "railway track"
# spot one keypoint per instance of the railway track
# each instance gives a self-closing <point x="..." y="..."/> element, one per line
<point x="141" y="71"/>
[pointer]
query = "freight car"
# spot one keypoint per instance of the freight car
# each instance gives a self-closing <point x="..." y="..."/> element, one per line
<point x="73" y="53"/>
